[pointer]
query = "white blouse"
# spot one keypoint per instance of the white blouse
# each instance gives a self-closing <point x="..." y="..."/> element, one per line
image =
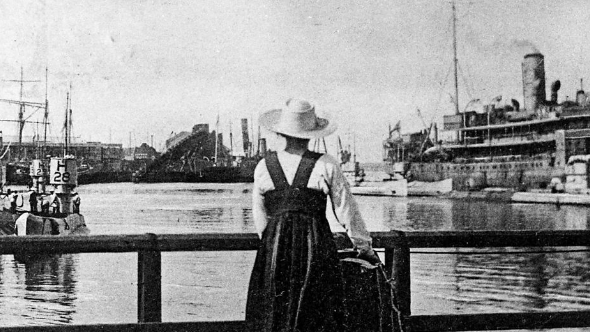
<point x="327" y="177"/>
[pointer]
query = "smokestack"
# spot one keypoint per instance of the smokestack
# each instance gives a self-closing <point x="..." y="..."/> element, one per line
<point x="555" y="86"/>
<point x="262" y="147"/>
<point x="435" y="134"/>
<point x="533" y="79"/>
<point x="245" y="137"/>
<point x="581" y="95"/>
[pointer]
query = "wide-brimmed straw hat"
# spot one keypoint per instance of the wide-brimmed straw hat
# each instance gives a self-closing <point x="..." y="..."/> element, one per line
<point x="298" y="119"/>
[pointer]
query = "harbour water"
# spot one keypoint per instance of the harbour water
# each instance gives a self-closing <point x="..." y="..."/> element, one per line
<point x="101" y="288"/>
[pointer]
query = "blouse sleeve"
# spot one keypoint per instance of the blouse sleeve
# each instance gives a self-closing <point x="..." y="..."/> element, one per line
<point x="345" y="207"/>
<point x="258" y="210"/>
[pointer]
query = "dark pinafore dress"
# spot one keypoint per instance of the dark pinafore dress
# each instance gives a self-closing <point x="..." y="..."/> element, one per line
<point x="296" y="283"/>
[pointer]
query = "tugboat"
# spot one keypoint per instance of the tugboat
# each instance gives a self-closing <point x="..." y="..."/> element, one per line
<point x="38" y="212"/>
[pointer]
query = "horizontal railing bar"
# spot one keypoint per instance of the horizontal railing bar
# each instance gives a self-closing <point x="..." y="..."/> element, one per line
<point x="228" y="326"/>
<point x="418" y="323"/>
<point x="499" y="321"/>
<point x="128" y="243"/>
<point x="481" y="239"/>
<point x="250" y="241"/>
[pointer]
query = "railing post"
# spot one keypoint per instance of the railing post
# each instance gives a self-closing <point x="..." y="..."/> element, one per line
<point x="401" y="274"/>
<point x="149" y="284"/>
<point x="388" y="262"/>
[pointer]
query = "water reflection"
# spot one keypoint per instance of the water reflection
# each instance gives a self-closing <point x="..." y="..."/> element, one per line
<point x="213" y="286"/>
<point x="414" y="214"/>
<point x="45" y="289"/>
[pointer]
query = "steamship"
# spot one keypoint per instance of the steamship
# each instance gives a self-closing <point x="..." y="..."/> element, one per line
<point x="506" y="146"/>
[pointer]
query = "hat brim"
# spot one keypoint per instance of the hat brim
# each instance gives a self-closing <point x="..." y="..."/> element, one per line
<point x="270" y="120"/>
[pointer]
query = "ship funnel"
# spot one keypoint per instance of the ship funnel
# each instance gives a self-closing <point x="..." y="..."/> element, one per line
<point x="245" y="137"/>
<point x="581" y="95"/>
<point x="533" y="79"/>
<point x="262" y="148"/>
<point x="555" y="86"/>
<point x="581" y="98"/>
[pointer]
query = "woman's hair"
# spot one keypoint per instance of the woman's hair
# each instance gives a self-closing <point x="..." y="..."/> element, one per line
<point x="298" y="139"/>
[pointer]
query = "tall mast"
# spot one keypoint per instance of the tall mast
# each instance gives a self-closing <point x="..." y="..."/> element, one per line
<point x="46" y="115"/>
<point x="21" y="113"/>
<point x="216" y="139"/>
<point x="455" y="60"/>
<point x="231" y="141"/>
<point x="251" y="147"/>
<point x="456" y="64"/>
<point x="258" y="142"/>
<point x="354" y="148"/>
<point x="66" y="124"/>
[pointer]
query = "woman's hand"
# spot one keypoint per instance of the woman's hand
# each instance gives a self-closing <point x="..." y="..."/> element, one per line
<point x="370" y="256"/>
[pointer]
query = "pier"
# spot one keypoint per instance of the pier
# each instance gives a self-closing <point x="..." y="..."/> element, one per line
<point x="397" y="246"/>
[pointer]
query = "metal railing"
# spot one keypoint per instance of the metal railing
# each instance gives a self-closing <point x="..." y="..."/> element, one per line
<point x="397" y="252"/>
<point x="397" y="263"/>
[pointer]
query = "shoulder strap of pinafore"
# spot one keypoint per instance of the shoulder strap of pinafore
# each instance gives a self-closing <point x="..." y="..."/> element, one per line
<point x="302" y="175"/>
<point x="308" y="161"/>
<point x="276" y="171"/>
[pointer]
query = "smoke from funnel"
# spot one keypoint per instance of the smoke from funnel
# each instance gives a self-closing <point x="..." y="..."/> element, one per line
<point x="524" y="45"/>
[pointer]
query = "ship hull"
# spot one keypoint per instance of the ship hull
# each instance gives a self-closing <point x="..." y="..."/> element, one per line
<point x="25" y="223"/>
<point x="104" y="177"/>
<point x="518" y="174"/>
<point x="208" y="175"/>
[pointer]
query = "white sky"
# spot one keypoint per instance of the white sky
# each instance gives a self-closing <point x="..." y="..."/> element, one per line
<point x="142" y="68"/>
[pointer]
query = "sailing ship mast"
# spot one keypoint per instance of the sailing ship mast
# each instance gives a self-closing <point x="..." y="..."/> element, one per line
<point x="22" y="105"/>
<point x="68" y="122"/>
<point x="45" y="115"/>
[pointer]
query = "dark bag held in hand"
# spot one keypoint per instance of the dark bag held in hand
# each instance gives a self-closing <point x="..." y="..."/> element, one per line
<point x="369" y="302"/>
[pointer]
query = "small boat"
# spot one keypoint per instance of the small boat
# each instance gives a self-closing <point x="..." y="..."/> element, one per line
<point x="372" y="184"/>
<point x="397" y="188"/>
<point x="434" y="188"/>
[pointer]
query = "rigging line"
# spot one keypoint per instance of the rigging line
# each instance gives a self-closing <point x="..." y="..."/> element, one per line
<point x="470" y="78"/>
<point x="443" y="82"/>
<point x="35" y="111"/>
<point x="469" y="71"/>
<point x="420" y="76"/>
<point x="6" y="151"/>
<point x="468" y="88"/>
<point x="442" y="85"/>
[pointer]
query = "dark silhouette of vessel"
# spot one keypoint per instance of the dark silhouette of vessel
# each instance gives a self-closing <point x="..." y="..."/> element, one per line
<point x="199" y="156"/>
